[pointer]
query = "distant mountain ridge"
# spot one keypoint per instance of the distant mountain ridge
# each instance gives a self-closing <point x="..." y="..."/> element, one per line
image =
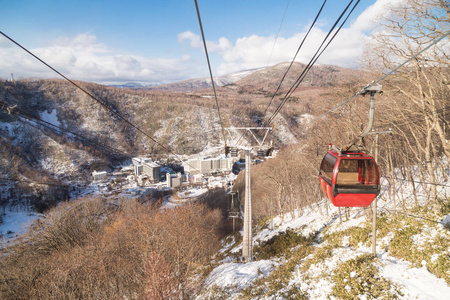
<point x="267" y="78"/>
<point x="195" y="84"/>
<point x="128" y="85"/>
<point x="319" y="76"/>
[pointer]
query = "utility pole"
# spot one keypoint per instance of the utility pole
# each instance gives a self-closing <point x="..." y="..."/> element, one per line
<point x="247" y="243"/>
<point x="232" y="200"/>
<point x="374" y="207"/>
<point x="233" y="214"/>
<point x="374" y="222"/>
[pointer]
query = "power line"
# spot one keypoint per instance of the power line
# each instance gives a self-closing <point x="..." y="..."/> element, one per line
<point x="14" y="110"/>
<point x="209" y="67"/>
<point x="295" y="56"/>
<point x="377" y="81"/>
<point x="102" y="103"/>
<point x="417" y="217"/>
<point x="423" y="182"/>
<point x="314" y="59"/>
<point x="278" y="33"/>
<point x="32" y="181"/>
<point x="421" y="115"/>
<point x="287" y="70"/>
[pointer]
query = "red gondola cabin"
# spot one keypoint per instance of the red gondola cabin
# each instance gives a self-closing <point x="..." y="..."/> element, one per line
<point x="349" y="179"/>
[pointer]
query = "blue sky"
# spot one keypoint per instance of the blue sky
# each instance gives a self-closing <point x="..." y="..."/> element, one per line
<point x="159" y="41"/>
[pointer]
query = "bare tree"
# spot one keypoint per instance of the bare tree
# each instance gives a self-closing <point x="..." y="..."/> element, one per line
<point x="421" y="88"/>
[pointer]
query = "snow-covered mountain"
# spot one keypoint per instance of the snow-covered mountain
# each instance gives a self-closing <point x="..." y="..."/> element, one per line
<point x="202" y="83"/>
<point x="128" y="85"/>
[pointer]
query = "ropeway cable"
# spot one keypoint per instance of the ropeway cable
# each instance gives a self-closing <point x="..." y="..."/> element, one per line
<point x="103" y="103"/>
<point x="377" y="81"/>
<point x="210" y="72"/>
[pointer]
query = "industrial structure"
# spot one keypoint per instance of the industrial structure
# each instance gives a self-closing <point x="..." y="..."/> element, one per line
<point x="247" y="242"/>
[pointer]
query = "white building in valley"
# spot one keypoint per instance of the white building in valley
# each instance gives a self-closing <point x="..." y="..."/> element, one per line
<point x="102" y="175"/>
<point x="145" y="166"/>
<point x="208" y="166"/>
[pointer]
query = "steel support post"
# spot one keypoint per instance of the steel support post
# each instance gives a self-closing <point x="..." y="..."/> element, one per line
<point x="247" y="247"/>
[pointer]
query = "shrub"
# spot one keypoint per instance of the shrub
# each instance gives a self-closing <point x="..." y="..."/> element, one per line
<point x="358" y="278"/>
<point x="69" y="225"/>
<point x="280" y="244"/>
<point x="86" y="250"/>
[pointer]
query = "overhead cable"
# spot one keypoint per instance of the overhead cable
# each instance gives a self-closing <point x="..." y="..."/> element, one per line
<point x="101" y="102"/>
<point x="422" y="182"/>
<point x="378" y="80"/>
<point x="210" y="72"/>
<point x="278" y="33"/>
<point x="32" y="181"/>
<point x="412" y="216"/>
<point x="295" y="56"/>
<point x="314" y="59"/>
<point x="292" y="62"/>
<point x="14" y="110"/>
<point x="419" y="117"/>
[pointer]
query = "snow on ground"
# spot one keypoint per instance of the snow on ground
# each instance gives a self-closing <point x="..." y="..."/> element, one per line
<point x="15" y="222"/>
<point x="416" y="283"/>
<point x="283" y="131"/>
<point x="9" y="127"/>
<point x="183" y="197"/>
<point x="239" y="274"/>
<point x="309" y="220"/>
<point x="304" y="118"/>
<point x="50" y="117"/>
<point x="446" y="220"/>
<point x="192" y="193"/>
<point x="167" y="204"/>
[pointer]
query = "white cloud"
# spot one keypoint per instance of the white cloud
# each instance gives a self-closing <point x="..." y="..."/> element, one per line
<point x="193" y="38"/>
<point x="367" y="20"/>
<point x="253" y="51"/>
<point x="84" y="58"/>
<point x="196" y="42"/>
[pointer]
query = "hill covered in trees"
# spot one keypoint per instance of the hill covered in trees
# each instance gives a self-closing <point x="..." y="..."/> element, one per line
<point x="413" y="160"/>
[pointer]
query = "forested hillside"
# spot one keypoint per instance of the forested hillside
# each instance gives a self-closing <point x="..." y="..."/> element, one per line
<point x="87" y="137"/>
<point x="107" y="248"/>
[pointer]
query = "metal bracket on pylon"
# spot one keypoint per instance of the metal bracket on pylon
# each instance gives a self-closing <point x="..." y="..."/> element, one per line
<point x="252" y="130"/>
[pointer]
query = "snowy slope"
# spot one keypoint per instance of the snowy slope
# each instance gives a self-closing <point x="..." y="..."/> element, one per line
<point x="314" y="278"/>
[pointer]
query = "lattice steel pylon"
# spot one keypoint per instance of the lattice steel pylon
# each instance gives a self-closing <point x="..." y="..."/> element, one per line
<point x="247" y="243"/>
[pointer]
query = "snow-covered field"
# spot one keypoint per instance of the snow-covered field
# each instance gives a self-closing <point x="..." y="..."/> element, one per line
<point x="230" y="276"/>
<point x="15" y="222"/>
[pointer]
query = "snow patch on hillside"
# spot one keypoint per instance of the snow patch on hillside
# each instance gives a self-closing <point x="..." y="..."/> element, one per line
<point x="416" y="283"/>
<point x="281" y="128"/>
<point x="16" y="222"/>
<point x="50" y="117"/>
<point x="239" y="274"/>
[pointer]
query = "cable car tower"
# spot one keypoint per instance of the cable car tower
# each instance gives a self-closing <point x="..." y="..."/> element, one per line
<point x="247" y="243"/>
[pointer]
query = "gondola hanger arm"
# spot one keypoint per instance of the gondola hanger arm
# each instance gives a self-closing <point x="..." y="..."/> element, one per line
<point x="371" y="90"/>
